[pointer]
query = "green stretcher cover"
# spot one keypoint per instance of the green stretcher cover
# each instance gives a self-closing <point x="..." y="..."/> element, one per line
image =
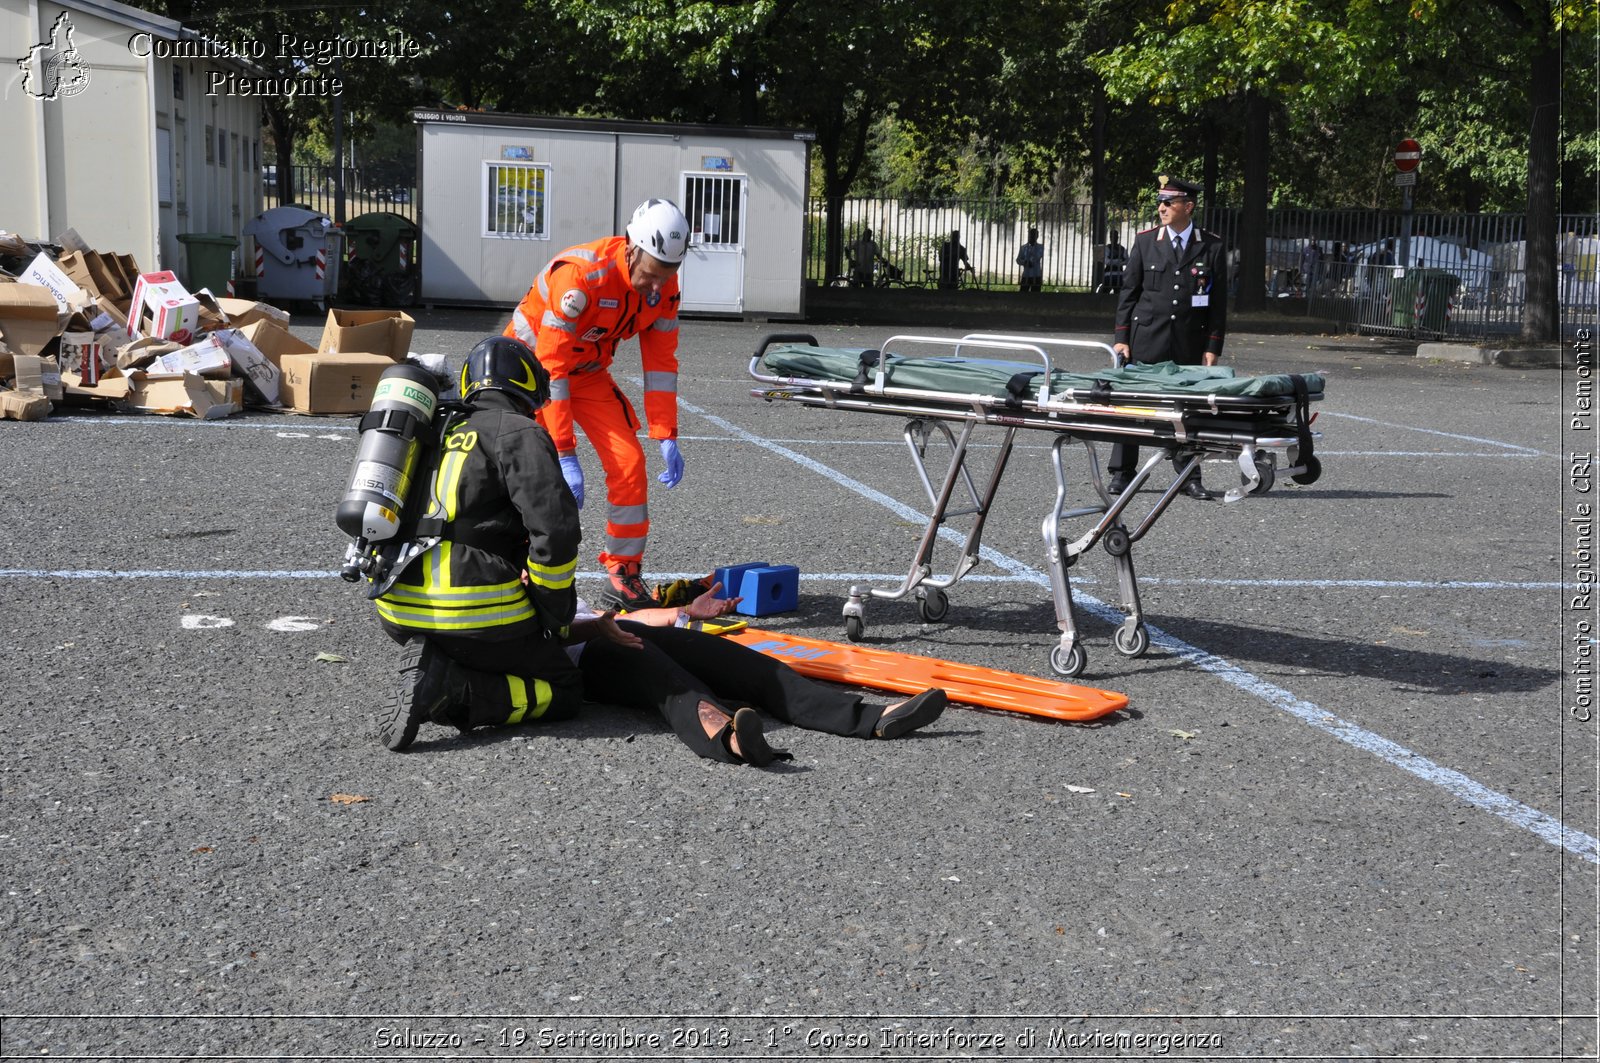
<point x="989" y="377"/>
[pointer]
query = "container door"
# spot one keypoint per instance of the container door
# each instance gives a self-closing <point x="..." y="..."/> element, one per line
<point x="712" y="276"/>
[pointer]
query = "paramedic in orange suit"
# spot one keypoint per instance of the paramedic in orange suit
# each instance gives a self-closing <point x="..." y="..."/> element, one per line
<point x="587" y="300"/>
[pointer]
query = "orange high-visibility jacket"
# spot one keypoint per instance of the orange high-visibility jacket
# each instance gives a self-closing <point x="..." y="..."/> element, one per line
<point x="579" y="308"/>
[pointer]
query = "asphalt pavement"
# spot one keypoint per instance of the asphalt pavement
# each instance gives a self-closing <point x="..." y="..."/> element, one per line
<point x="1349" y="813"/>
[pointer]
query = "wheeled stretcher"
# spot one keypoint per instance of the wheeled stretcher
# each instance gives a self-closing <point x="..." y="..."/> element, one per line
<point x="1262" y="423"/>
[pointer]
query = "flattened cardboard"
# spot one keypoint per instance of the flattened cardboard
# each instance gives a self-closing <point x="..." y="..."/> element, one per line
<point x="111" y="390"/>
<point x="275" y="342"/>
<point x="45" y="273"/>
<point x="189" y="395"/>
<point x="30" y="318"/>
<point x="208" y="358"/>
<point x="330" y="383"/>
<point x="24" y="406"/>
<point x="385" y="332"/>
<point x="260" y="376"/>
<point x="99" y="275"/>
<point x="242" y="312"/>
<point x="34" y="373"/>
<point x="140" y="353"/>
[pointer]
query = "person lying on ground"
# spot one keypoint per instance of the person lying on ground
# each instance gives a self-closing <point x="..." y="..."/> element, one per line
<point x="709" y="688"/>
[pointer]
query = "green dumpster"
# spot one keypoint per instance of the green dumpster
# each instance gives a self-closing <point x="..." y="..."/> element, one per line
<point x="1437" y="289"/>
<point x="382" y="251"/>
<point x="210" y="261"/>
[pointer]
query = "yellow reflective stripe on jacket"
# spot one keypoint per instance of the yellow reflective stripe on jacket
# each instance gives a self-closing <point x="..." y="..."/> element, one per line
<point x="554" y="577"/>
<point x="432" y="594"/>
<point x="542" y="696"/>
<point x="437" y="618"/>
<point x="447" y="483"/>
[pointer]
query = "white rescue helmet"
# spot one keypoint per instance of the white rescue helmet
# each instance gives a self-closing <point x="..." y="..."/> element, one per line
<point x="660" y="229"/>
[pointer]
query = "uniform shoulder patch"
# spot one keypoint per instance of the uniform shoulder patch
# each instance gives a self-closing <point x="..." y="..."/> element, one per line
<point x="1152" y="229"/>
<point x="574" y="301"/>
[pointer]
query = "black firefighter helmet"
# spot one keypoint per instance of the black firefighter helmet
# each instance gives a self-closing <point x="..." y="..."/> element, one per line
<point x="504" y="363"/>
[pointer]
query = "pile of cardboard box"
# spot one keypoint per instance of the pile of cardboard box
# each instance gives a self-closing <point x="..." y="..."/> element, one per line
<point x="83" y="327"/>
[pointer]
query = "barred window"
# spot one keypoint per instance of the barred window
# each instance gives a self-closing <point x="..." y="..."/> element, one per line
<point x="516" y="201"/>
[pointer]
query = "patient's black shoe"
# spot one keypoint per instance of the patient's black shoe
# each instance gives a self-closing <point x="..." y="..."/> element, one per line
<point x="908" y="715"/>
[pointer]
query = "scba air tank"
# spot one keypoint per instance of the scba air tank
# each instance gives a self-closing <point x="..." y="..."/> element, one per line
<point x="393" y="435"/>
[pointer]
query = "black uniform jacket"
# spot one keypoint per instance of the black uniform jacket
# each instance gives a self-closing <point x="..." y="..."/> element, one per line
<point x="1174" y="311"/>
<point x="510" y="534"/>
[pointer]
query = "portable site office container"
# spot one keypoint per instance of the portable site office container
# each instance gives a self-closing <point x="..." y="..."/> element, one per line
<point x="501" y="194"/>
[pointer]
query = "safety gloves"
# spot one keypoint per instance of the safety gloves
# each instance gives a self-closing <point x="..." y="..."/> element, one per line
<point x="572" y="472"/>
<point x="674" y="460"/>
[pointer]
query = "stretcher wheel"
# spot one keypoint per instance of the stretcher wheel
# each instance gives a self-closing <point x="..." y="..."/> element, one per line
<point x="1117" y="542"/>
<point x="933" y="606"/>
<point x="1131" y="639"/>
<point x="1071" y="663"/>
<point x="1312" y="474"/>
<point x="854" y="628"/>
<point x="1267" y="473"/>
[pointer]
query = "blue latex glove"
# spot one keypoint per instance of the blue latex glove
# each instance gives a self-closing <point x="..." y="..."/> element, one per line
<point x="674" y="460"/>
<point x="572" y="472"/>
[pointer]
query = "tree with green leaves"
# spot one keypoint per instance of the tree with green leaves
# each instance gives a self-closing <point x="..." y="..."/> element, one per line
<point x="1293" y="58"/>
<point x="1255" y="58"/>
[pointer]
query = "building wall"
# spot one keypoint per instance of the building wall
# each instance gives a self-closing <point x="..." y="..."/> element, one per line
<point x="213" y="149"/>
<point x="123" y="161"/>
<point x="460" y="263"/>
<point x="596" y="178"/>
<point x="774" y="209"/>
<point x="23" y="209"/>
<point x="82" y="156"/>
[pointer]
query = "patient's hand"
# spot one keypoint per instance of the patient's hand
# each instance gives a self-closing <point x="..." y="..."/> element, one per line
<point x="605" y="627"/>
<point x="708" y="606"/>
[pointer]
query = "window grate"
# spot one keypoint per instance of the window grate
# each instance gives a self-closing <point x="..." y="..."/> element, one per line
<point x="516" y="201"/>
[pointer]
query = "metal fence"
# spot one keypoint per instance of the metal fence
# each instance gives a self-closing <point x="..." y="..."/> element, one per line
<point x="315" y="189"/>
<point x="910" y="234"/>
<point x="1338" y="265"/>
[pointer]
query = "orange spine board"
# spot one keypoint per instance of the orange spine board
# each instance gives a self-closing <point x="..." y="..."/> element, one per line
<point x="907" y="673"/>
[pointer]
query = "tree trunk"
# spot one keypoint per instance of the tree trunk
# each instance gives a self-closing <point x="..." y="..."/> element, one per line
<point x="1541" y="318"/>
<point x="1252" y="293"/>
<point x="840" y="164"/>
<point x="1097" y="173"/>
<point x="282" y="124"/>
<point x="1209" y="169"/>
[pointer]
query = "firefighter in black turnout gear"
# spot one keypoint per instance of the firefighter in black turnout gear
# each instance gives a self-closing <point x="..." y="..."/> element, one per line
<point x="484" y="612"/>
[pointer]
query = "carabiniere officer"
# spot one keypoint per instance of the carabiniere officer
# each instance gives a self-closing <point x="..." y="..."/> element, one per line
<point x="1174" y="305"/>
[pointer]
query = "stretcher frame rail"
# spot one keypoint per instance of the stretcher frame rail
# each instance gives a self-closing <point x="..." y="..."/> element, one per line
<point x="1253" y="430"/>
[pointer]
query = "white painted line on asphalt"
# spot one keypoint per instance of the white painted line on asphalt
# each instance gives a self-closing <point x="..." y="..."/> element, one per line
<point x="1436" y="432"/>
<point x="308" y="428"/>
<point x="1028" y="577"/>
<point x="325" y="431"/>
<point x="1464" y="788"/>
<point x="167" y="573"/>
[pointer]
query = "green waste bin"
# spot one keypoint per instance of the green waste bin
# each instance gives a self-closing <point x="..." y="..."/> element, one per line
<point x="382" y="251"/>
<point x="210" y="261"/>
<point x="1438" y="289"/>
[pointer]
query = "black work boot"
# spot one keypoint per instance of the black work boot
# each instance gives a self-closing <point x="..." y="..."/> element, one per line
<point x="625" y="591"/>
<point x="422" y="692"/>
